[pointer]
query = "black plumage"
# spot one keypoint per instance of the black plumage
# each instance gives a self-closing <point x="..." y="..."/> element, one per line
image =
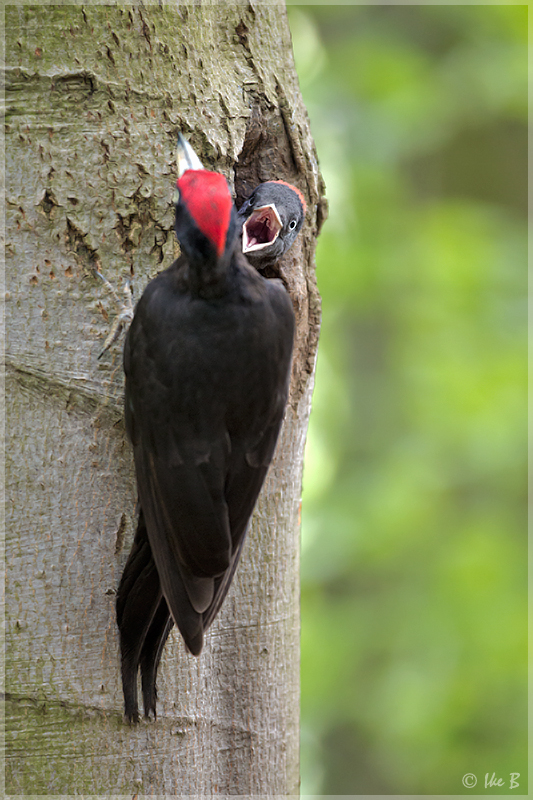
<point x="207" y="363"/>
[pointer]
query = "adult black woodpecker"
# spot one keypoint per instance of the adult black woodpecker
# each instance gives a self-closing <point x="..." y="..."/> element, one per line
<point x="207" y="362"/>
<point x="271" y="219"/>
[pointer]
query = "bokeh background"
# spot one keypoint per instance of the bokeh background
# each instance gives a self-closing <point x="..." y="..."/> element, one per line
<point x="414" y="516"/>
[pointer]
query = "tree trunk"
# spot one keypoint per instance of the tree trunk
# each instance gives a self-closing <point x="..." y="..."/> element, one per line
<point x="96" y="96"/>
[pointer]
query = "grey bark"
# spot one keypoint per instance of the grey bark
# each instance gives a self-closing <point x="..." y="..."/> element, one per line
<point x="95" y="97"/>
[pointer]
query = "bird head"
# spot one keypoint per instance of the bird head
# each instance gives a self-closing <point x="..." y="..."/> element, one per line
<point x="271" y="219"/>
<point x="205" y="220"/>
<point x="203" y="213"/>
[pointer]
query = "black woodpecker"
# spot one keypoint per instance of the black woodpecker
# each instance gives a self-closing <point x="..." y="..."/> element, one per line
<point x="207" y="361"/>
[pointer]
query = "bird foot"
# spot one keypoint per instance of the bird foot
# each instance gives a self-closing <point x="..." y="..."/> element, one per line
<point x="131" y="716"/>
<point x="123" y="318"/>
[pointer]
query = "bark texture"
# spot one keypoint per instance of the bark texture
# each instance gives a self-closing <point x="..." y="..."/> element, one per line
<point x="95" y="97"/>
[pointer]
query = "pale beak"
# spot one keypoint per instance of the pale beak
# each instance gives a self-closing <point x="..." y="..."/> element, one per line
<point x="186" y="158"/>
<point x="261" y="229"/>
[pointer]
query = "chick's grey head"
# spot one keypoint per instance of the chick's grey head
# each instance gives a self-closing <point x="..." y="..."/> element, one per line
<point x="271" y="219"/>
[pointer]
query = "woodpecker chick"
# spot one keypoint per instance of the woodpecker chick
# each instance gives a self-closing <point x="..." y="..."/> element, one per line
<point x="271" y="219"/>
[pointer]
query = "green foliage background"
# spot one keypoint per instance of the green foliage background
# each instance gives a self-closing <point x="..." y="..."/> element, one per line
<point x="414" y="525"/>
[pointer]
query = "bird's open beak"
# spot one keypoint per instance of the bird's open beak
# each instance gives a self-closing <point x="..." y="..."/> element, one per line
<point x="261" y="229"/>
<point x="186" y="158"/>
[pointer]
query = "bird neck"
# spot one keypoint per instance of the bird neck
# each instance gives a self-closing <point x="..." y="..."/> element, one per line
<point x="210" y="275"/>
<point x="209" y="278"/>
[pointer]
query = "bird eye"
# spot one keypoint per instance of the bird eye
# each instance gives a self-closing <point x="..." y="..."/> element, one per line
<point x="292" y="224"/>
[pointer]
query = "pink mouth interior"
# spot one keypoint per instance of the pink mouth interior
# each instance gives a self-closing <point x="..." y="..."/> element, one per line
<point x="261" y="229"/>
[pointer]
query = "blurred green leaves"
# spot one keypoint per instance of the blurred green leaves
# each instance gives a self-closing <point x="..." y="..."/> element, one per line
<point x="414" y="516"/>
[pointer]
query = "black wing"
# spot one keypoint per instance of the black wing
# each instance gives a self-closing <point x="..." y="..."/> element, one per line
<point x="205" y="393"/>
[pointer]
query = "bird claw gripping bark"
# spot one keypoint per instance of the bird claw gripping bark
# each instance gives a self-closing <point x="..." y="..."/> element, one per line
<point x="123" y="318"/>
